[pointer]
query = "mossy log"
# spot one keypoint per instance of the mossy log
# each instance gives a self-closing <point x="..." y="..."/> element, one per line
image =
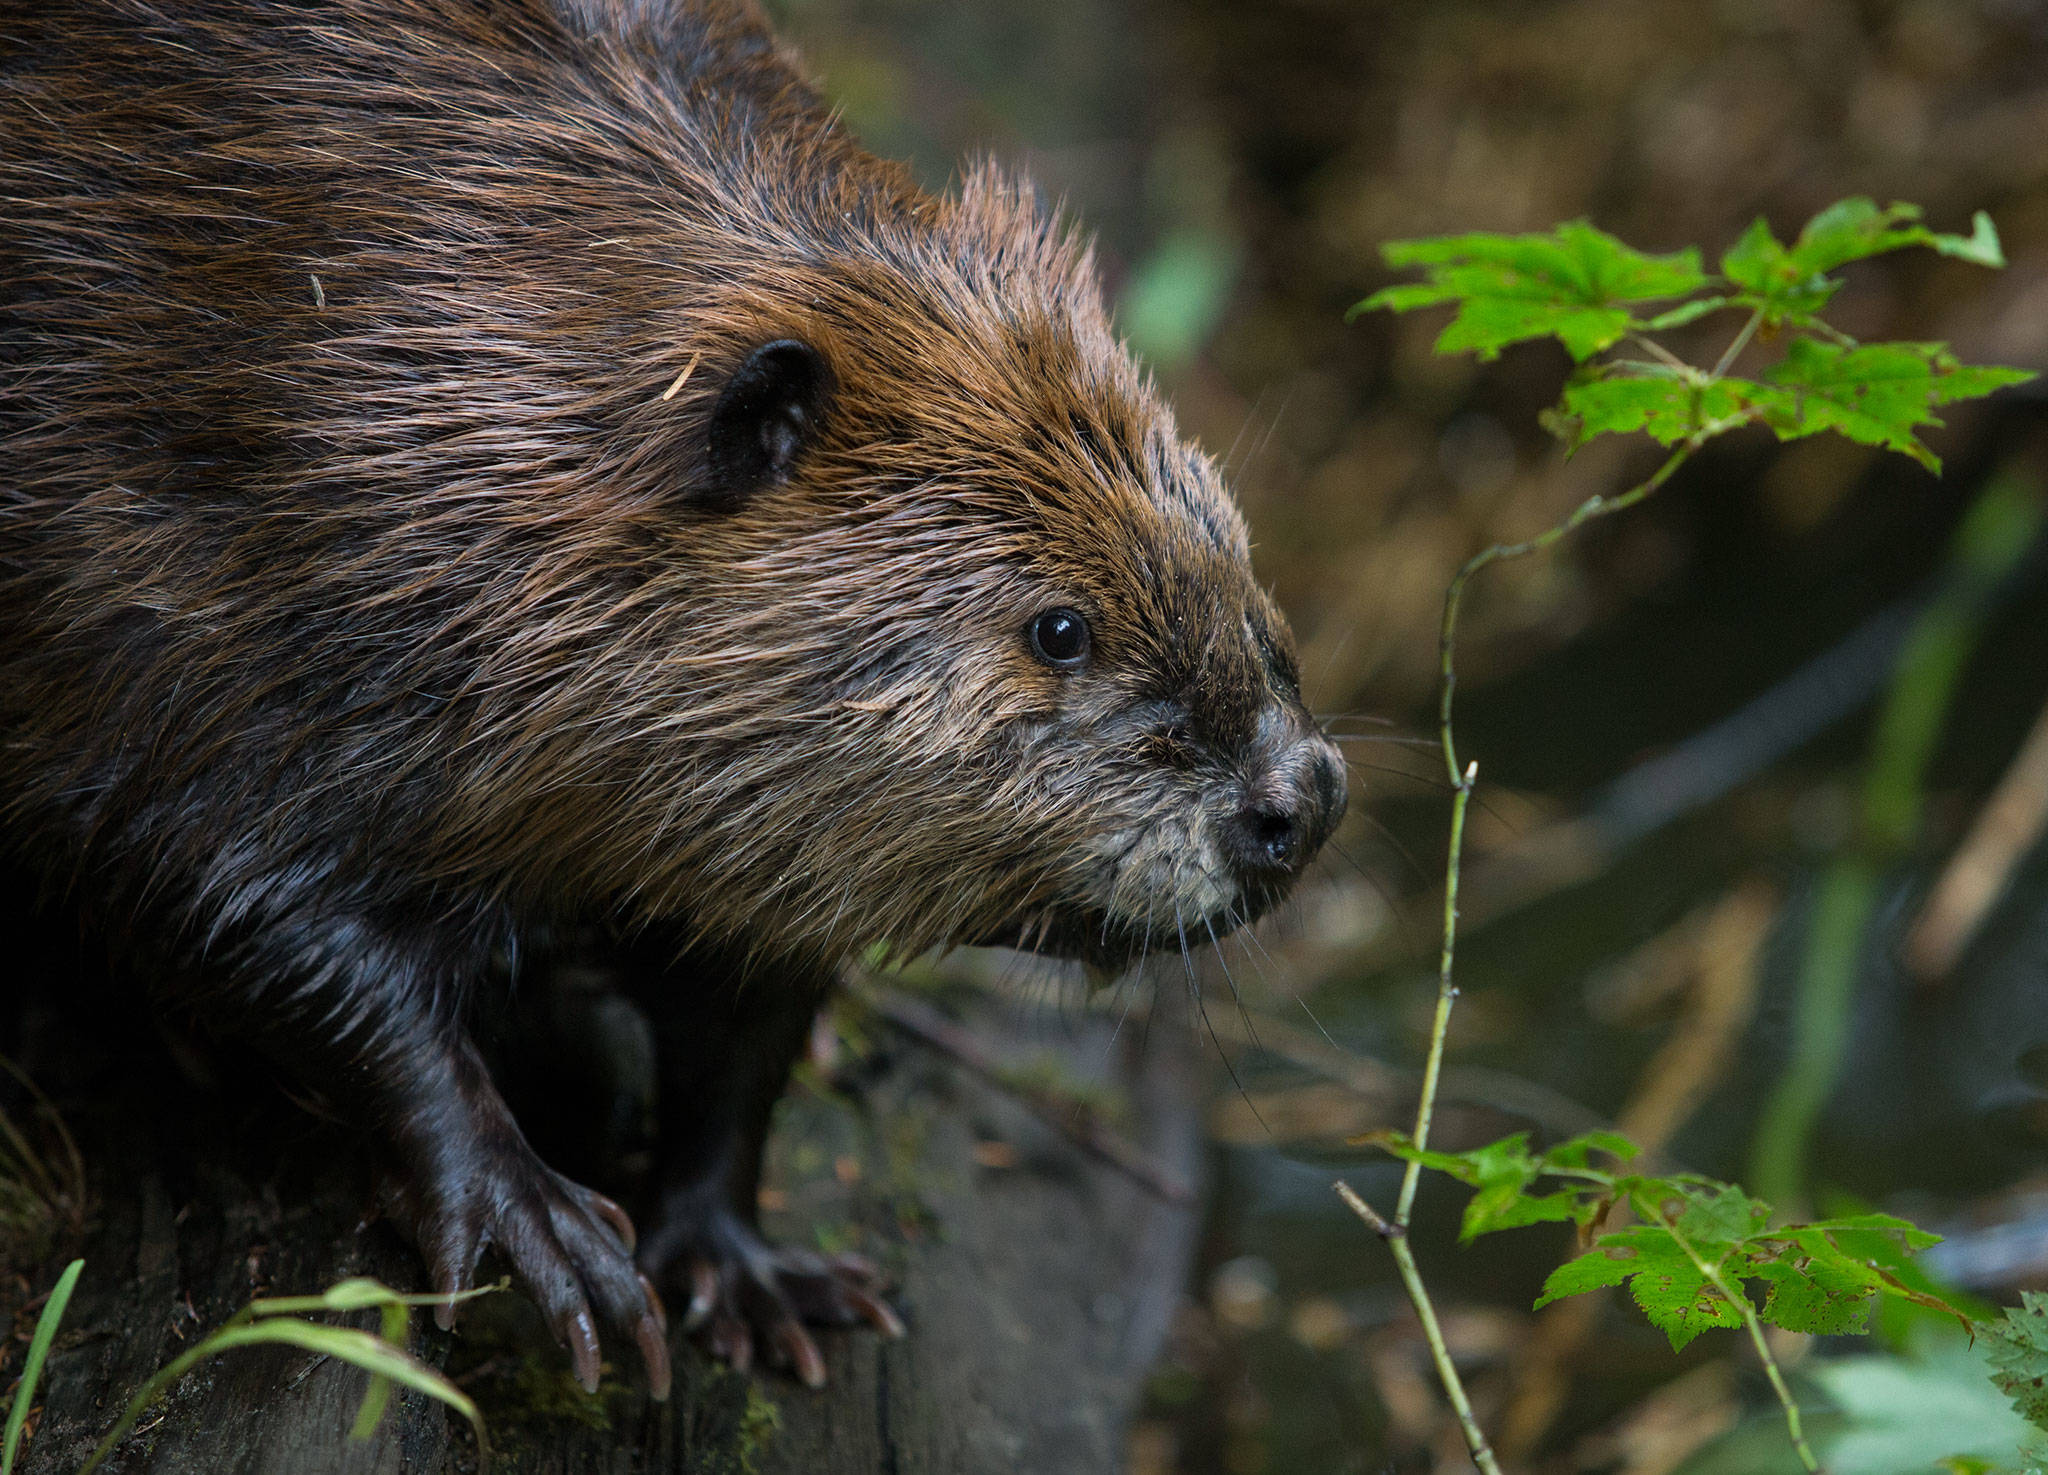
<point x="1037" y="1282"/>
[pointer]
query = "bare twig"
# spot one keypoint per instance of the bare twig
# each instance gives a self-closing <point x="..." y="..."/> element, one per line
<point x="1727" y="361"/>
<point x="1379" y="1223"/>
<point x="933" y="1029"/>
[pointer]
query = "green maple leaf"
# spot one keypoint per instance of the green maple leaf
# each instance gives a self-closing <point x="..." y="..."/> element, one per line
<point x="1681" y="1303"/>
<point x="1576" y="283"/>
<point x="1502" y="1172"/>
<point x="1662" y="1278"/>
<point x="1613" y="1259"/>
<point x="1669" y="408"/>
<point x="1725" y="1217"/>
<point x="1506" y="1206"/>
<point x="1823" y="1277"/>
<point x="1576" y="1153"/>
<point x="1877" y="395"/>
<point x="1791" y="283"/>
<point x="1878" y="1238"/>
<point x="1771" y="279"/>
<point x="1399" y="1144"/>
<point x="1852" y="229"/>
<point x="1821" y="1296"/>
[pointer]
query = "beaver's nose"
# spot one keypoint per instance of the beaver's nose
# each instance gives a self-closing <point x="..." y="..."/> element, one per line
<point x="1289" y="809"/>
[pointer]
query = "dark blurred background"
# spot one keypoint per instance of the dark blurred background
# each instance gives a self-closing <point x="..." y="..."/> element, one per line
<point x="1674" y="714"/>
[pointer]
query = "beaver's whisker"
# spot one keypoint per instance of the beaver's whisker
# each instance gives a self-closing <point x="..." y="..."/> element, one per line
<point x="1237" y="996"/>
<point x="1318" y="1023"/>
<point x="1137" y="977"/>
<point x="1187" y="959"/>
<point x="1428" y="778"/>
<point x="1391" y="739"/>
<point x="1248" y="940"/>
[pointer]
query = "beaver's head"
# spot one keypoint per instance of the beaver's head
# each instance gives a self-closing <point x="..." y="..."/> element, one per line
<point x="959" y="640"/>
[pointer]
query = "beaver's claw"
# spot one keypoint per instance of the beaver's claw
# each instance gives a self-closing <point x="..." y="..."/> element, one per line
<point x="747" y="1297"/>
<point x="570" y="1247"/>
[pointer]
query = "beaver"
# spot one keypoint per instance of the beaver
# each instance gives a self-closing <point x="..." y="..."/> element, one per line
<point x="485" y="477"/>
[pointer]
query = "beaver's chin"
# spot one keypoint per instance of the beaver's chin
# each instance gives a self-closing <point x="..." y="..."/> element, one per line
<point x="1088" y="935"/>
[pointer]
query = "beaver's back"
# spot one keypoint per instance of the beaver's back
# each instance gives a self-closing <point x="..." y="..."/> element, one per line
<point x="325" y="338"/>
<point x="248" y="238"/>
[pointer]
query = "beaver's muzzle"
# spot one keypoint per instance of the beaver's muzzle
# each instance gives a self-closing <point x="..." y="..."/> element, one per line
<point x="1294" y="795"/>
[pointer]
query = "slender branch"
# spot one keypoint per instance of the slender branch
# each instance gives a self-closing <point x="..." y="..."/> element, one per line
<point x="1654" y="369"/>
<point x="1464" y="777"/>
<point x="1463" y="780"/>
<point x="1597" y="505"/>
<point x="1828" y="330"/>
<point x="1658" y="351"/>
<point x="1727" y="360"/>
<point x="1375" y="1220"/>
<point x="1446" y="993"/>
<point x="1396" y="1236"/>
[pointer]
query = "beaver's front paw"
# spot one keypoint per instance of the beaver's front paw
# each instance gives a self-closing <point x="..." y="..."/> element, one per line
<point x="745" y="1294"/>
<point x="570" y="1247"/>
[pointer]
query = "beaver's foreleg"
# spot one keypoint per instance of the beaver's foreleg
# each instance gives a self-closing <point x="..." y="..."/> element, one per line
<point x="464" y="1179"/>
<point x="364" y="1018"/>
<point x="728" y="1033"/>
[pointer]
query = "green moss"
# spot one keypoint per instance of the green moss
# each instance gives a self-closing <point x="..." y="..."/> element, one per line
<point x="520" y="1381"/>
<point x="758" y="1426"/>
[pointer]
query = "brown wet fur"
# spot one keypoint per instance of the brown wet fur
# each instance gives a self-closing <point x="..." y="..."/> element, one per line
<point x="376" y="629"/>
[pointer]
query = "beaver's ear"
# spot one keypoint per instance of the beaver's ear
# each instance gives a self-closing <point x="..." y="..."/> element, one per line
<point x="769" y="412"/>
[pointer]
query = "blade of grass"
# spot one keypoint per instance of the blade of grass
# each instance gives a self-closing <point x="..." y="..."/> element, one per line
<point x="394" y="1317"/>
<point x="32" y="1366"/>
<point x="386" y="1363"/>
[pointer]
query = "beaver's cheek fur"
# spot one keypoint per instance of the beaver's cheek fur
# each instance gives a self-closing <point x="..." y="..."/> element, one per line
<point x="1150" y="807"/>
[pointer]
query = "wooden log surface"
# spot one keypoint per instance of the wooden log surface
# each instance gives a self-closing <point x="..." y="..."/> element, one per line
<point x="1038" y="1283"/>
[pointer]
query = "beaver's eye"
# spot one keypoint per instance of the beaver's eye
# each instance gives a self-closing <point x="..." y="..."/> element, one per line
<point x="1059" y="637"/>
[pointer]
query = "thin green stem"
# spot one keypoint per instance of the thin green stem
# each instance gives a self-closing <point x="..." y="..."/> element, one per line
<point x="1727" y="360"/>
<point x="1446" y="993"/>
<point x="1463" y="781"/>
<point x="1597" y="505"/>
<point x="1828" y="330"/>
<point x="1662" y="354"/>
<point x="1711" y="1273"/>
<point x="1396" y="1236"/>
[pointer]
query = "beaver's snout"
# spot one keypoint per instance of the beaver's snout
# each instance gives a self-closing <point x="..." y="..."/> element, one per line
<point x="1293" y="800"/>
